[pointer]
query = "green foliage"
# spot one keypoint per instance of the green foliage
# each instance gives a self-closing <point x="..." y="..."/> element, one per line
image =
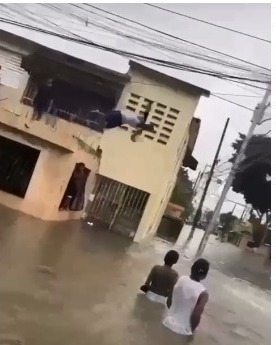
<point x="227" y="221"/>
<point x="251" y="178"/>
<point x="183" y="193"/>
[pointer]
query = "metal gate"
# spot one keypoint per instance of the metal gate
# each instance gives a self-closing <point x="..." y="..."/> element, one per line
<point x="118" y="205"/>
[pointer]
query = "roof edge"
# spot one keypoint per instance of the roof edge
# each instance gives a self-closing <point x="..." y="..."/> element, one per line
<point x="42" y="48"/>
<point x="136" y="65"/>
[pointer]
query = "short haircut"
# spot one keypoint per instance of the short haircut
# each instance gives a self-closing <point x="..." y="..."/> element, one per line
<point x="200" y="267"/>
<point x="171" y="257"/>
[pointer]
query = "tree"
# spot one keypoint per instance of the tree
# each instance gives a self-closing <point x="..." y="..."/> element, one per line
<point x="227" y="221"/>
<point x="183" y="193"/>
<point x="252" y="178"/>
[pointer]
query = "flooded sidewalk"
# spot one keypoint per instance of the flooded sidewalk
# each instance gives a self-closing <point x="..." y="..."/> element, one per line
<point x="65" y="283"/>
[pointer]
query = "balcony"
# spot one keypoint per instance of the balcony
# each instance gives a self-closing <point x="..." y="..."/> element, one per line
<point x="62" y="132"/>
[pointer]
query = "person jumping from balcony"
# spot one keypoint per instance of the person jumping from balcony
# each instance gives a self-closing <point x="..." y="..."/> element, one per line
<point x="187" y="301"/>
<point x="122" y="118"/>
<point x="161" y="280"/>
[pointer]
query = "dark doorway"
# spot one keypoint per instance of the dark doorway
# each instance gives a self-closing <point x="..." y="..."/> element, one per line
<point x="17" y="163"/>
<point x="73" y="198"/>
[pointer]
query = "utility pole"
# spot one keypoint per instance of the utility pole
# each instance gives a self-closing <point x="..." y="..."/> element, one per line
<point x="243" y="214"/>
<point x="234" y="208"/>
<point x="199" y="209"/>
<point x="198" y="180"/>
<point x="258" y="114"/>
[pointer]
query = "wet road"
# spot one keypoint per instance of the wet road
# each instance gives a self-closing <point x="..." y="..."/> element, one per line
<point x="230" y="260"/>
<point x="64" y="284"/>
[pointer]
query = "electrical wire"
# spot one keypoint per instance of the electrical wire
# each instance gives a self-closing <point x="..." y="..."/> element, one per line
<point x="265" y="120"/>
<point x="209" y="23"/>
<point x="246" y="84"/>
<point x="112" y="30"/>
<point x="267" y="133"/>
<point x="214" y="95"/>
<point x="156" y="61"/>
<point x="227" y="100"/>
<point x="234" y="95"/>
<point x="175" y="50"/>
<point x="178" y="38"/>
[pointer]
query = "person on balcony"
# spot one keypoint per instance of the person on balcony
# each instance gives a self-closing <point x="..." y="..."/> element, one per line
<point x="43" y="100"/>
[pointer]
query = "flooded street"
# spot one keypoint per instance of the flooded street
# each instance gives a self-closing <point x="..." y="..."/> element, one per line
<point x="64" y="283"/>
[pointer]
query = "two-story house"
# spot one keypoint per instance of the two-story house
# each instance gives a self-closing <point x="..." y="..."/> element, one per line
<point x="125" y="184"/>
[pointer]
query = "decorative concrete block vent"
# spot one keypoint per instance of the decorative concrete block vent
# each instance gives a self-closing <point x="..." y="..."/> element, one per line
<point x="161" y="116"/>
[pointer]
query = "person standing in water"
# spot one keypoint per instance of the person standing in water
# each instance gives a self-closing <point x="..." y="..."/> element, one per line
<point x="187" y="301"/>
<point x="162" y="278"/>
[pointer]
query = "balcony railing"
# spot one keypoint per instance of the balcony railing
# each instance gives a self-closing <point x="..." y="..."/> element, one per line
<point x="93" y="121"/>
<point x="59" y="127"/>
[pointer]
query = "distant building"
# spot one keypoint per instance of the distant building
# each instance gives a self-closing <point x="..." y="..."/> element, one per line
<point x="52" y="167"/>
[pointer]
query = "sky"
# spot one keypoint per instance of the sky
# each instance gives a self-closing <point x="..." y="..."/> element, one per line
<point x="250" y="18"/>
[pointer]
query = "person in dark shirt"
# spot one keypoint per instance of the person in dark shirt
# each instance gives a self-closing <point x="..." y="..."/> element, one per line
<point x="43" y="99"/>
<point x="121" y="118"/>
<point x="162" y="278"/>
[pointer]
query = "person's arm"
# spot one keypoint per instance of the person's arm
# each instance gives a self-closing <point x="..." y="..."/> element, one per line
<point x="147" y="284"/>
<point x="198" y="310"/>
<point x="169" y="299"/>
<point x="170" y="292"/>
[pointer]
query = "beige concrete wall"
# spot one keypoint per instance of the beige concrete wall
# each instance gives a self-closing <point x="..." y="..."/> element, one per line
<point x="65" y="134"/>
<point x="152" y="89"/>
<point x="49" y="181"/>
<point x="61" y="148"/>
<point x="148" y="165"/>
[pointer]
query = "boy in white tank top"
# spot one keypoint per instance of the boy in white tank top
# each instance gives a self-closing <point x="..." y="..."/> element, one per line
<point x="187" y="301"/>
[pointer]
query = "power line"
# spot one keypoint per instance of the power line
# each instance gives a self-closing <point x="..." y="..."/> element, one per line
<point x="214" y="95"/>
<point x="234" y="95"/>
<point x="160" y="45"/>
<point x="265" y="120"/>
<point x="160" y="62"/>
<point x="267" y="133"/>
<point x="210" y="72"/>
<point x="237" y="104"/>
<point x="175" y="50"/>
<point x="178" y="38"/>
<point x="209" y="23"/>
<point x="246" y="84"/>
<point x="221" y="97"/>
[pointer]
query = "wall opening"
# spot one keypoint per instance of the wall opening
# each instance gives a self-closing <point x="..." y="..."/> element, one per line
<point x="17" y="164"/>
